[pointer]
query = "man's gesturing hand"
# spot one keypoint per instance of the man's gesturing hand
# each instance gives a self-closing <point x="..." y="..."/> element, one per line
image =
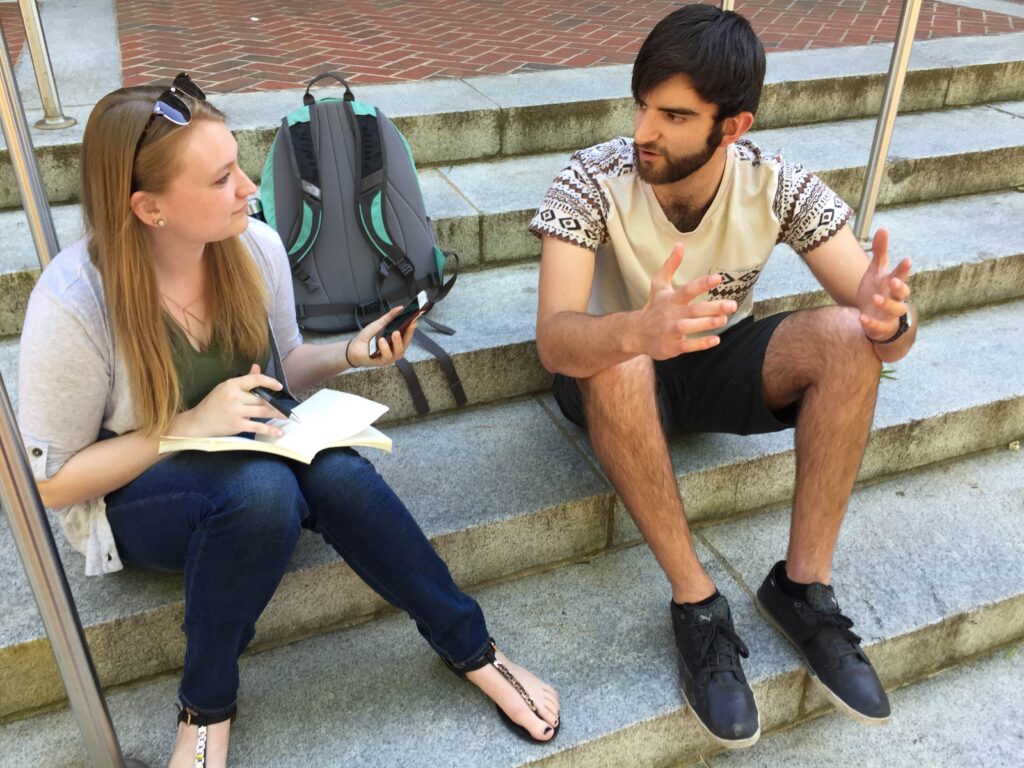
<point x="881" y="294"/>
<point x="670" y="315"/>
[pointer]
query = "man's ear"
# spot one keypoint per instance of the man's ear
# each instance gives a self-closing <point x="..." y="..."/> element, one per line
<point x="145" y="207"/>
<point x="734" y="127"/>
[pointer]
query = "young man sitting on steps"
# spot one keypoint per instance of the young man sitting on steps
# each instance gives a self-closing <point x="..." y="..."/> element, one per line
<point x="651" y="249"/>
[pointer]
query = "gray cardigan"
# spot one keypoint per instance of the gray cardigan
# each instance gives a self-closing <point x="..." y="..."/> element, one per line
<point x="72" y="383"/>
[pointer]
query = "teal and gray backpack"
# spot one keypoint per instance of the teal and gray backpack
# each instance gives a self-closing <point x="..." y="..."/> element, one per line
<point x="341" y="189"/>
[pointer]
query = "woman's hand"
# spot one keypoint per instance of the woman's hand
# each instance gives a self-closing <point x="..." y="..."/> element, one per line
<point x="231" y="408"/>
<point x="358" y="351"/>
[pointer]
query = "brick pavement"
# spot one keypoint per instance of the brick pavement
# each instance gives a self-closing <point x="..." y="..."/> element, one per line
<point x="269" y="44"/>
<point x="14" y="30"/>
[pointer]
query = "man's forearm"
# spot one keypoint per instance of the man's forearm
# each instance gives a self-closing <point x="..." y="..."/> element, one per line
<point x="579" y="345"/>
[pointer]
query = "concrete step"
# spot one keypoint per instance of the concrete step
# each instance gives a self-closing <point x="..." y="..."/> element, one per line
<point x="968" y="714"/>
<point x="482" y="478"/>
<point x="494" y="344"/>
<point x="454" y="121"/>
<point x="598" y="629"/>
<point x="933" y="155"/>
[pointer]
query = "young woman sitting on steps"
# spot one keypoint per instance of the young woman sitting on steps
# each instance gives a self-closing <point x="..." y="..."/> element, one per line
<point x="161" y="322"/>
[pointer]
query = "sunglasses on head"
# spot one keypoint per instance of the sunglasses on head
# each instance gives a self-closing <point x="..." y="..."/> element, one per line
<point x="172" y="107"/>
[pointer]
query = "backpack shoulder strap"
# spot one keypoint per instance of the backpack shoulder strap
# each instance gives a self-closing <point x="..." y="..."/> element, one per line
<point x="447" y="366"/>
<point x="297" y="135"/>
<point x="371" y="172"/>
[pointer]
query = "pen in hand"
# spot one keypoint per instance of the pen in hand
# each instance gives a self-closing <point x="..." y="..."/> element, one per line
<point x="276" y="402"/>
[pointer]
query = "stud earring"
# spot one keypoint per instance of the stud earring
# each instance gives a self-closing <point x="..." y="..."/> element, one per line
<point x="161" y="222"/>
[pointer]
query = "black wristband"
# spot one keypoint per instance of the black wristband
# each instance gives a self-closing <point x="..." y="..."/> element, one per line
<point x="903" y="328"/>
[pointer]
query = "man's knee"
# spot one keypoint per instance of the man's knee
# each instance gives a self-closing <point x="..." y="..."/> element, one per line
<point x="851" y="354"/>
<point x="823" y="347"/>
<point x="628" y="383"/>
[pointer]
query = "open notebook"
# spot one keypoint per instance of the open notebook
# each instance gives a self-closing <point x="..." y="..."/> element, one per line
<point x="329" y="419"/>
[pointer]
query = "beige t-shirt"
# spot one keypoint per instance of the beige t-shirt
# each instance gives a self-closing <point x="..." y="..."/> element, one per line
<point x="599" y="202"/>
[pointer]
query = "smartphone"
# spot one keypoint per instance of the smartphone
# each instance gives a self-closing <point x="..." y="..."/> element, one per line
<point x="411" y="312"/>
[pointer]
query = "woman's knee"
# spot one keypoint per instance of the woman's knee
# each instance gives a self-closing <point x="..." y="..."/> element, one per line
<point x="339" y="470"/>
<point x="262" y="500"/>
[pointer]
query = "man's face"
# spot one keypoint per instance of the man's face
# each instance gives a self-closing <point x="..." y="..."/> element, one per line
<point x="675" y="132"/>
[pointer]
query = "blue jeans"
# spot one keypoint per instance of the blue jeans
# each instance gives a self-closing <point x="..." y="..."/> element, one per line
<point x="231" y="520"/>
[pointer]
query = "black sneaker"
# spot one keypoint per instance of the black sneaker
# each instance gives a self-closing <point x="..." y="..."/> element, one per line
<point x="830" y="649"/>
<point x="710" y="675"/>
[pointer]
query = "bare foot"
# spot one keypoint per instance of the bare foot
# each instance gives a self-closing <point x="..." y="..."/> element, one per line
<point x="184" y="755"/>
<point x="500" y="691"/>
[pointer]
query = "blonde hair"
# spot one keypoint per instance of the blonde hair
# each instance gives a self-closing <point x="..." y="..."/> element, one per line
<point x="111" y="170"/>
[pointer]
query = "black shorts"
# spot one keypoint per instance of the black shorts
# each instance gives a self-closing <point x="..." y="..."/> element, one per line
<point x="716" y="390"/>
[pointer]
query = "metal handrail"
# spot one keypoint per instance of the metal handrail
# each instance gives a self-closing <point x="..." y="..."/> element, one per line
<point x="727" y="5"/>
<point x="23" y="159"/>
<point x="18" y="493"/>
<point x="53" y="116"/>
<point x="886" y="118"/>
<point x="38" y="552"/>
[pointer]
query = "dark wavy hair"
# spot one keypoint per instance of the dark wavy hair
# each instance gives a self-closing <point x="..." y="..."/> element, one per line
<point x="717" y="50"/>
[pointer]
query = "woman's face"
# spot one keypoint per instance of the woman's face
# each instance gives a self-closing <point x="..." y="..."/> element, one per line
<point x="206" y="201"/>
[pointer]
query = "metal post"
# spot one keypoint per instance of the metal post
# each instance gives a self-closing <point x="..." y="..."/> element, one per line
<point x="53" y="116"/>
<point x="38" y="553"/>
<point x="887" y="118"/>
<point x="26" y="169"/>
<point x="727" y="5"/>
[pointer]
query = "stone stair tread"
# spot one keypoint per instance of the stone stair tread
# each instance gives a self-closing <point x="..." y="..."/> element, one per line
<point x="433" y="98"/>
<point x="481" y="208"/>
<point x="819" y="147"/>
<point x="931" y="234"/>
<point x="466" y="121"/>
<point x="495" y="335"/>
<point x="949" y="132"/>
<point x="935" y="410"/>
<point x="598" y="629"/>
<point x="470" y="189"/>
<point x="965" y="715"/>
<point x="18" y="252"/>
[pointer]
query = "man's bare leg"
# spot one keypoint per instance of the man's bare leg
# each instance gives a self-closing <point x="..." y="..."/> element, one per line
<point x="822" y="357"/>
<point x="625" y="429"/>
<point x="620" y="405"/>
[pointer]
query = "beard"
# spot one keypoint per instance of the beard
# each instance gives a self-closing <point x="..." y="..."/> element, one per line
<point x="677" y="168"/>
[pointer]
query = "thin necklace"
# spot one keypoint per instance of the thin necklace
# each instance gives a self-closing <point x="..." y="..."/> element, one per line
<point x="186" y="315"/>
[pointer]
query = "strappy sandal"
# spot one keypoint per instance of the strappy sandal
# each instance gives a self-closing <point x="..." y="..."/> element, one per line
<point x="191" y="717"/>
<point x="488" y="657"/>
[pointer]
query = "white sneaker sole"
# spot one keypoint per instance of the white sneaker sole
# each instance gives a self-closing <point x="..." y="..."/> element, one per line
<point x="831" y="695"/>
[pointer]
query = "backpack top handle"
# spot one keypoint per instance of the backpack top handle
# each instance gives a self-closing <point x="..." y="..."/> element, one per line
<point x="308" y="99"/>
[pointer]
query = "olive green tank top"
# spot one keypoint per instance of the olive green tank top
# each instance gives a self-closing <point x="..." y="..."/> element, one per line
<point x="199" y="372"/>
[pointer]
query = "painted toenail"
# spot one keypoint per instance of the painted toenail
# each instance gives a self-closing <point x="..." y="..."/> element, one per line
<point x="547" y="730"/>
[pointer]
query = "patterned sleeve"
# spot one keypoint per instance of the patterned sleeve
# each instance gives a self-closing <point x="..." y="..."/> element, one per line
<point x="809" y="212"/>
<point x="574" y="209"/>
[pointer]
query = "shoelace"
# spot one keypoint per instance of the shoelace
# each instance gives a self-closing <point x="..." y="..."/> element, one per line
<point x="837" y="628"/>
<point x="719" y="646"/>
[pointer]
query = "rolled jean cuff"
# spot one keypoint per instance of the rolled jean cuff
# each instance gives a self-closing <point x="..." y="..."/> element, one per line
<point x="209" y="715"/>
<point x="474" y="660"/>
